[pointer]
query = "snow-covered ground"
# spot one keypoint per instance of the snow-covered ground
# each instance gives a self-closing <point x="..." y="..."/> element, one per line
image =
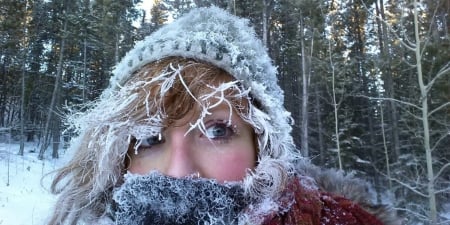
<point x="24" y="195"/>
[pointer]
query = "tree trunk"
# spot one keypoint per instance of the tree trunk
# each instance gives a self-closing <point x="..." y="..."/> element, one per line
<point x="232" y="7"/>
<point x="426" y="129"/>
<point x="335" y="107"/>
<point x="4" y="93"/>
<point x="305" y="80"/>
<point x="52" y="107"/>
<point x="22" y="95"/>
<point x="388" y="80"/>
<point x="317" y="106"/>
<point x="22" y="109"/>
<point x="56" y="134"/>
<point x="264" y="23"/>
<point x="386" y="150"/>
<point x="84" y="69"/>
<point x="116" y="52"/>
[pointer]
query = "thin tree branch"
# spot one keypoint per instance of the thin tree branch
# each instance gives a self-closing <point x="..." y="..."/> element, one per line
<point x="441" y="170"/>
<point x="445" y="70"/>
<point x="444" y="222"/>
<point x="429" y="31"/>
<point x="392" y="99"/>
<point x="410" y="113"/>
<point x="445" y="190"/>
<point x="408" y="44"/>
<point x="416" y="214"/>
<point x="413" y="189"/>
<point x="439" y="108"/>
<point x="439" y="140"/>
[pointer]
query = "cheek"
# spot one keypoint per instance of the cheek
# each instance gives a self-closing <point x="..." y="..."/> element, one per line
<point x="229" y="165"/>
<point x="144" y="163"/>
<point x="138" y="166"/>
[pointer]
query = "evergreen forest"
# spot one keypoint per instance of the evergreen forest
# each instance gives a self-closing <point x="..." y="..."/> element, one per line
<point x="367" y="81"/>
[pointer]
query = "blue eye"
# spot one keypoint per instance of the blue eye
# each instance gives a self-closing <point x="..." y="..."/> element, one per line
<point x="219" y="130"/>
<point x="151" y="141"/>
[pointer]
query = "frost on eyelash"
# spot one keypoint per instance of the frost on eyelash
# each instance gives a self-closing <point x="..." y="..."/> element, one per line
<point x="218" y="96"/>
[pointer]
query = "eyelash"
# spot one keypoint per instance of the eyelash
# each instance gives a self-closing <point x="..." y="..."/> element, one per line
<point x="150" y="141"/>
<point x="230" y="131"/>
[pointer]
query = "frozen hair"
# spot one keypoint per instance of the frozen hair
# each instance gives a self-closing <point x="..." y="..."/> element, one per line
<point x="208" y="46"/>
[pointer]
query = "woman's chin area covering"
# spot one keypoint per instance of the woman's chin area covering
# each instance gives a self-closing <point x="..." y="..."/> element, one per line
<point x="159" y="199"/>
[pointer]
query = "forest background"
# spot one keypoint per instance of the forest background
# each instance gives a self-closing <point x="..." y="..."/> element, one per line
<point x="367" y="81"/>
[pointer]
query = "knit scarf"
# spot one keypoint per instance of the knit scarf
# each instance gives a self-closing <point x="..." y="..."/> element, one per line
<point x="158" y="199"/>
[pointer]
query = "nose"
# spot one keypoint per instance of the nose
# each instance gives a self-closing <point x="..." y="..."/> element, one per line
<point x="180" y="160"/>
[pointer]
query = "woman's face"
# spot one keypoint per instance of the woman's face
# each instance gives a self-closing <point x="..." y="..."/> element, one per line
<point x="224" y="153"/>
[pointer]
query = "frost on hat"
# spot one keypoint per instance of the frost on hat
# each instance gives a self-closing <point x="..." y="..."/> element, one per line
<point x="215" y="36"/>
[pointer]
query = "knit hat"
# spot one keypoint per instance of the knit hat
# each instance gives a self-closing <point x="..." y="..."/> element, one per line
<point x="228" y="42"/>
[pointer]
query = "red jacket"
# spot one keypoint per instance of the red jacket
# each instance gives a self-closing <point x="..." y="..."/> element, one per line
<point x="306" y="205"/>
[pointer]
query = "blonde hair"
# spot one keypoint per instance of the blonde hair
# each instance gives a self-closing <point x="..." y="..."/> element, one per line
<point x="157" y="94"/>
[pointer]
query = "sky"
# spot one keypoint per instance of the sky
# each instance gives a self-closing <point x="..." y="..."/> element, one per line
<point x="146" y="5"/>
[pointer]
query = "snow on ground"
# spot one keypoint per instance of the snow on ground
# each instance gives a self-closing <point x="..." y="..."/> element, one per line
<point x="24" y="200"/>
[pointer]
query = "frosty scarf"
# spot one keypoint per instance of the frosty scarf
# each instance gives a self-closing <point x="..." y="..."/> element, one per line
<point x="158" y="199"/>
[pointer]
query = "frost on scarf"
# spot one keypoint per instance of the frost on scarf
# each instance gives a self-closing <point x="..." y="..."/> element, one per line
<point x="158" y="199"/>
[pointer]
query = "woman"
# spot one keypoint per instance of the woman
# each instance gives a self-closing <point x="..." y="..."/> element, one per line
<point x="192" y="130"/>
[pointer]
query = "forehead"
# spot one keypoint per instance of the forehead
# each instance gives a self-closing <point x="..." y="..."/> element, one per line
<point x="173" y="88"/>
<point x="190" y="70"/>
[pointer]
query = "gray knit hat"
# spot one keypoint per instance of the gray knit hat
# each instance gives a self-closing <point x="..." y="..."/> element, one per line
<point x="215" y="36"/>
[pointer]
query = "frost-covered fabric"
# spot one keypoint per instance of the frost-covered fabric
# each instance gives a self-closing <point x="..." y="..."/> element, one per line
<point x="316" y="196"/>
<point x="310" y="206"/>
<point x="312" y="197"/>
<point x="158" y="199"/>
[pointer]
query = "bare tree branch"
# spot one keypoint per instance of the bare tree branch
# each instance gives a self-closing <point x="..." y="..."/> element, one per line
<point x="445" y="190"/>
<point x="444" y="222"/>
<point x="439" y="108"/>
<point x="439" y="140"/>
<point x="418" y="215"/>
<point x="445" y="70"/>
<point x="430" y="28"/>
<point x="392" y="99"/>
<point x="442" y="170"/>
<point x="413" y="189"/>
